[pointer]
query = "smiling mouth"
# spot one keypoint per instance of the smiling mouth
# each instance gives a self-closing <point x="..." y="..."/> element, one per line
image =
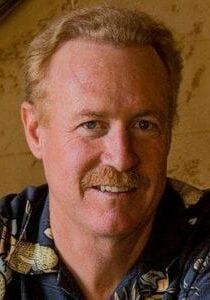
<point x="114" y="189"/>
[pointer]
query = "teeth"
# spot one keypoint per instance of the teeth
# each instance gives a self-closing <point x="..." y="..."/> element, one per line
<point x="113" y="189"/>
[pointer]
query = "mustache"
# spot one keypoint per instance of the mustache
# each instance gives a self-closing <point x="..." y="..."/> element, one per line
<point x="106" y="175"/>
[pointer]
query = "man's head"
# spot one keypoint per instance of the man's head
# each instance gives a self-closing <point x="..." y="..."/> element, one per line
<point x="108" y="88"/>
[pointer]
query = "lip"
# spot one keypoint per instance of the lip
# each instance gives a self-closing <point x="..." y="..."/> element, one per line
<point x="111" y="195"/>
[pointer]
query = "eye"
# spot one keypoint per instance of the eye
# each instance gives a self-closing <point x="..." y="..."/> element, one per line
<point x="93" y="128"/>
<point x="145" y="125"/>
<point x="90" y="125"/>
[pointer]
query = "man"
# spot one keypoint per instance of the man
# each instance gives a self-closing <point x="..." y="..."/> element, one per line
<point x="101" y="87"/>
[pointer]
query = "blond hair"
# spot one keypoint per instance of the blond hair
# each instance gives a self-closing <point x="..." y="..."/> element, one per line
<point x="120" y="27"/>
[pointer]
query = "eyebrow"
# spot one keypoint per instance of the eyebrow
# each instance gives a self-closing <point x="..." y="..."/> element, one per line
<point x="103" y="114"/>
<point x="149" y="112"/>
<point x="89" y="113"/>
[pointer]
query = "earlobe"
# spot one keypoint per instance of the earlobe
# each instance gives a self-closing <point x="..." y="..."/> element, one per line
<point x="30" y="120"/>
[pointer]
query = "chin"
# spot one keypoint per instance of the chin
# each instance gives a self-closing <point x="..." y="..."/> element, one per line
<point x="112" y="226"/>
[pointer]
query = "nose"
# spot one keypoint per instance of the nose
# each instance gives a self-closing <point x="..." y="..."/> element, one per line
<point x="119" y="151"/>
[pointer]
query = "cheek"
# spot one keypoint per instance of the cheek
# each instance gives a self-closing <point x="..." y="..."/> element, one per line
<point x="69" y="158"/>
<point x="153" y="155"/>
<point x="81" y="153"/>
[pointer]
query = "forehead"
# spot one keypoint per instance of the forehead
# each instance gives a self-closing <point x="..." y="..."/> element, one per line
<point x="106" y="71"/>
<point x="88" y="57"/>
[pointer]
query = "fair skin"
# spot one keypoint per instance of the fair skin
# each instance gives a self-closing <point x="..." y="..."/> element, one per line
<point x="108" y="111"/>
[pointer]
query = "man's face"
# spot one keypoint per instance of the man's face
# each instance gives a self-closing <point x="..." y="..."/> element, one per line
<point x="105" y="150"/>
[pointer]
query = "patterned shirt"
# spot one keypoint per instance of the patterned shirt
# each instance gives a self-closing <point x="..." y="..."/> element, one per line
<point x="175" y="263"/>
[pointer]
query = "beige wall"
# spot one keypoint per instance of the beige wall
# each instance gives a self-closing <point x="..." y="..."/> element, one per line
<point x="190" y="152"/>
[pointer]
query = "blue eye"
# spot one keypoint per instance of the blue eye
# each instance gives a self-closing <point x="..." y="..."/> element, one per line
<point x="93" y="128"/>
<point x="90" y="125"/>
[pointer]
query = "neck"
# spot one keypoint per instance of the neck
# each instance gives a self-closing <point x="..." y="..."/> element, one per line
<point x="97" y="263"/>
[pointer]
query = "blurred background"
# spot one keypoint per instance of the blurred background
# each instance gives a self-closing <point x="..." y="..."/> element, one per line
<point x="189" y="20"/>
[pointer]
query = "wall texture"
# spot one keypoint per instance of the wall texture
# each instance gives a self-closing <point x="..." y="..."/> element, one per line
<point x="190" y="152"/>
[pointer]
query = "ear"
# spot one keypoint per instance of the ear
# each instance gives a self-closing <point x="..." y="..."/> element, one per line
<point x="29" y="116"/>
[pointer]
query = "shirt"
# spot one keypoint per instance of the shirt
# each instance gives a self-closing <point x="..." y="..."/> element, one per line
<point x="175" y="263"/>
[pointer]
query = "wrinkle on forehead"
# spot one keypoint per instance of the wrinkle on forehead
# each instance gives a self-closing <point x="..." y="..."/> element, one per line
<point x="90" y="60"/>
<point x="86" y="80"/>
<point x="88" y="69"/>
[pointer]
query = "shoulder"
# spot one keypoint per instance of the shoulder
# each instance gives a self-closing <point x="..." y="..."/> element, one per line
<point x="189" y="194"/>
<point x="194" y="262"/>
<point x="15" y="210"/>
<point x="13" y="204"/>
<point x="195" y="280"/>
<point x="197" y="205"/>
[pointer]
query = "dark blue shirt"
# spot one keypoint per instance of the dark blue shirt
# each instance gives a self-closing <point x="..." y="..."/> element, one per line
<point x="175" y="263"/>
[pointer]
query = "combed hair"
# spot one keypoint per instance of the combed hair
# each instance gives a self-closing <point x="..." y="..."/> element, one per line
<point x="111" y="25"/>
